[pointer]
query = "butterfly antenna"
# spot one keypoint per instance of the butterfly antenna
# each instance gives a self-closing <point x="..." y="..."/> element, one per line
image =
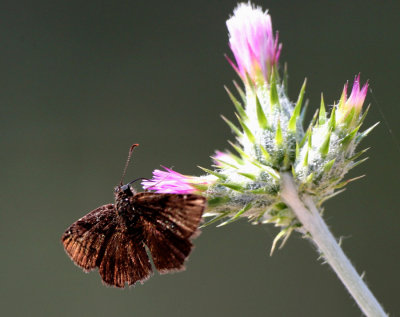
<point x="138" y="179"/>
<point x="127" y="161"/>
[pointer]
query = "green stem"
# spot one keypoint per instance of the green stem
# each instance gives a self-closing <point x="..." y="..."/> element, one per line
<point x="308" y="214"/>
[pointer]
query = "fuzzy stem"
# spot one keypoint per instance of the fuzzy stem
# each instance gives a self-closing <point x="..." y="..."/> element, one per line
<point x="308" y="214"/>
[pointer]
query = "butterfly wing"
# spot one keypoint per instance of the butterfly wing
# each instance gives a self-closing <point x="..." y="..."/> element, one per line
<point x="84" y="240"/>
<point x="169" y="221"/>
<point x="125" y="261"/>
<point x="97" y="240"/>
<point x="179" y="213"/>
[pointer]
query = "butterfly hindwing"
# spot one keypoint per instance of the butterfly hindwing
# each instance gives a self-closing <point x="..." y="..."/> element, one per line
<point x="125" y="261"/>
<point x="169" y="220"/>
<point x="168" y="250"/>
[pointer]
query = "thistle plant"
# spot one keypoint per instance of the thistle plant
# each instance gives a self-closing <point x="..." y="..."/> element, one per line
<point x="279" y="172"/>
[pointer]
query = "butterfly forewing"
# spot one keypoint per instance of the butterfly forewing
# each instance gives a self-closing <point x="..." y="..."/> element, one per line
<point x="178" y="213"/>
<point x="85" y="239"/>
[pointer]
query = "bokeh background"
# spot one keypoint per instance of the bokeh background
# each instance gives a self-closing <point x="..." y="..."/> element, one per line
<point x="83" y="80"/>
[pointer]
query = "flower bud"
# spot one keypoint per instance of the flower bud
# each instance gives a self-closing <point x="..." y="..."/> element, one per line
<point x="349" y="109"/>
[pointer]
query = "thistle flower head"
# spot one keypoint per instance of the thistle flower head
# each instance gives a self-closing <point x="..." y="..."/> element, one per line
<point x="172" y="182"/>
<point x="270" y="139"/>
<point x="252" y="42"/>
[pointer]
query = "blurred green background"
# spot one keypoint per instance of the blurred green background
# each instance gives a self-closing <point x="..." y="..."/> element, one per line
<point x="83" y="80"/>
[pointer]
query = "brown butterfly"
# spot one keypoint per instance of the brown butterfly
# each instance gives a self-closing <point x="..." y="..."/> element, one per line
<point x="114" y="237"/>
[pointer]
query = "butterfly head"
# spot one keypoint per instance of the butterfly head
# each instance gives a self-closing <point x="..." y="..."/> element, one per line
<point x="123" y="191"/>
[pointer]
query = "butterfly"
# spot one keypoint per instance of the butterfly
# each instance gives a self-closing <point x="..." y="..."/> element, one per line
<point x="114" y="237"/>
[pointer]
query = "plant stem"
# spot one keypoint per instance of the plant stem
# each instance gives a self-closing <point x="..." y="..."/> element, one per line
<point x="308" y="214"/>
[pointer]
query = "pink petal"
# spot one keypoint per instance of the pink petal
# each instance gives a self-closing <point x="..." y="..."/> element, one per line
<point x="252" y="41"/>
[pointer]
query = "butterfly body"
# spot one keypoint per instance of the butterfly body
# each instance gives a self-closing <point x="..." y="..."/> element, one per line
<point x="125" y="207"/>
<point x="114" y="237"/>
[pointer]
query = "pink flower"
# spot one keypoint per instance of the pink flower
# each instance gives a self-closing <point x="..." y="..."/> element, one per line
<point x="357" y="95"/>
<point x="172" y="182"/>
<point x="252" y="41"/>
<point x="355" y="100"/>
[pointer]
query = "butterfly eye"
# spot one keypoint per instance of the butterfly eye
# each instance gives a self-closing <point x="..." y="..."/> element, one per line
<point x="127" y="190"/>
